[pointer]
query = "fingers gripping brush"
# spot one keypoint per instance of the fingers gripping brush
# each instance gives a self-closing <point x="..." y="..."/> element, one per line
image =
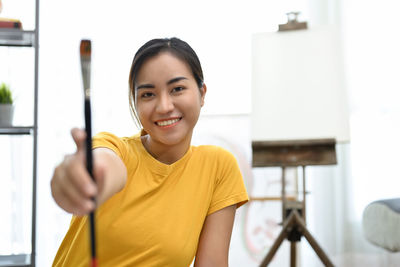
<point x="86" y="53"/>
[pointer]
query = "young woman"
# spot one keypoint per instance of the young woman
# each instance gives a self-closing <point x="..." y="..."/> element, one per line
<point x="160" y="201"/>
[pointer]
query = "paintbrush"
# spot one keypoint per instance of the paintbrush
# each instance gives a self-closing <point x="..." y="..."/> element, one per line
<point x="86" y="55"/>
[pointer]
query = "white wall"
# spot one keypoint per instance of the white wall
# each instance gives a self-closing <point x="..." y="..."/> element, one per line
<point x="220" y="32"/>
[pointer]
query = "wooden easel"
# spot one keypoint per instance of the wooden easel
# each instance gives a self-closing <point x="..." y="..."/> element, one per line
<point x="294" y="153"/>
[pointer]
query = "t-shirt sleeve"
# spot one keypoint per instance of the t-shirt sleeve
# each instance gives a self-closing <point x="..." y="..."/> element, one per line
<point x="229" y="185"/>
<point x="110" y="141"/>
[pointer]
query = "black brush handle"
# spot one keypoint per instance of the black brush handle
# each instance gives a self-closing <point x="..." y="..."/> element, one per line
<point x="89" y="167"/>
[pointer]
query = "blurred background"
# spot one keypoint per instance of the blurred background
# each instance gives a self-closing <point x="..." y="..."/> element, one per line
<point x="221" y="34"/>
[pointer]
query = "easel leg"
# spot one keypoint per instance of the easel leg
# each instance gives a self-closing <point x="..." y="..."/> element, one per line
<point x="283" y="234"/>
<point x="293" y="254"/>
<point x="313" y="243"/>
<point x="274" y="248"/>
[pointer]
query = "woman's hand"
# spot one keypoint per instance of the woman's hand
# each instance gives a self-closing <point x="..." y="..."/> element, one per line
<point x="72" y="187"/>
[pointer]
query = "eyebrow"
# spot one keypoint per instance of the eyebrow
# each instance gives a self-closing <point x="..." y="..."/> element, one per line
<point x="149" y="85"/>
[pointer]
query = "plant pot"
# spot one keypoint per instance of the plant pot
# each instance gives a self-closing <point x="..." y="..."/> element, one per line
<point x="6" y="115"/>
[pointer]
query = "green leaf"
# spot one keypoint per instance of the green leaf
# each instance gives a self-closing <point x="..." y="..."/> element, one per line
<point x="5" y="94"/>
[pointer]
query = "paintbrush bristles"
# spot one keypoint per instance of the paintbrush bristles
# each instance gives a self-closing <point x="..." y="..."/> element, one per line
<point x="85" y="53"/>
<point x="86" y="48"/>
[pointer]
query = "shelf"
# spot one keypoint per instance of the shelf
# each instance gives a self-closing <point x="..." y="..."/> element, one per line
<point x="15" y="37"/>
<point x="16" y="130"/>
<point x="15" y="260"/>
<point x="20" y="41"/>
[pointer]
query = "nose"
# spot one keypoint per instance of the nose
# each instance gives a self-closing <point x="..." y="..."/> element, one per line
<point x="165" y="104"/>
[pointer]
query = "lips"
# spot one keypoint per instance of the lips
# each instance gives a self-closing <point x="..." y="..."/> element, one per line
<point x="167" y="122"/>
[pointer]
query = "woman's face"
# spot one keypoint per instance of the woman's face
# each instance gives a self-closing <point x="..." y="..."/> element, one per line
<point x="168" y="100"/>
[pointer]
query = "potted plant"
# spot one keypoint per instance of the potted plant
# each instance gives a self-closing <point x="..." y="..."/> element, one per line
<point x="6" y="106"/>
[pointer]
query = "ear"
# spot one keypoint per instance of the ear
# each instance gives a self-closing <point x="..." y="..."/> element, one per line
<point x="203" y="91"/>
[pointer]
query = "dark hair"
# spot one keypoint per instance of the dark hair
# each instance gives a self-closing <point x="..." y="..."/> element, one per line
<point x="175" y="46"/>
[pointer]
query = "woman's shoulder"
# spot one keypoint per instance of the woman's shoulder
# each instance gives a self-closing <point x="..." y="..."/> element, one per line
<point x="210" y="148"/>
<point x="121" y="145"/>
<point x="108" y="136"/>
<point x="213" y="152"/>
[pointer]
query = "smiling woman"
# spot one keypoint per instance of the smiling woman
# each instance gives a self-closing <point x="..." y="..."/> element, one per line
<point x="154" y="176"/>
<point x="169" y="109"/>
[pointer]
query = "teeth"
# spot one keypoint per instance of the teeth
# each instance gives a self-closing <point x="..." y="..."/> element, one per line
<point x="168" y="122"/>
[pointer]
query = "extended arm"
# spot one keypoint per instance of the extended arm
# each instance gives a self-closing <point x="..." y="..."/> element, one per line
<point x="213" y="248"/>
<point x="72" y="187"/>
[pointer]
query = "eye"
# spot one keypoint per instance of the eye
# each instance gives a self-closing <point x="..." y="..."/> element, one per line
<point x="146" y="95"/>
<point x="178" y="89"/>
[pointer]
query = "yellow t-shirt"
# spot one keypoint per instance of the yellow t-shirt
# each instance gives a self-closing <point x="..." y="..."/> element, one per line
<point x="156" y="220"/>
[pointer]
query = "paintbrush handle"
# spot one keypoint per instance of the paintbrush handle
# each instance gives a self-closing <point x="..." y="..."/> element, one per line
<point x="89" y="167"/>
<point x="88" y="124"/>
<point x="93" y="239"/>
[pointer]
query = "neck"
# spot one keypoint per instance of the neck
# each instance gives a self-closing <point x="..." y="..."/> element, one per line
<point x="167" y="154"/>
